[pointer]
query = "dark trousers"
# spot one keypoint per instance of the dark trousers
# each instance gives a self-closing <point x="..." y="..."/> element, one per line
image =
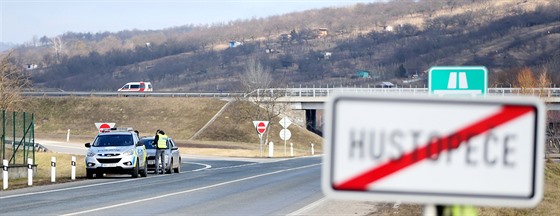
<point x="160" y="154"/>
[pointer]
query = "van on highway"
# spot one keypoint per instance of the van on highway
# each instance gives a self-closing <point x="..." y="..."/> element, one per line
<point x="136" y="87"/>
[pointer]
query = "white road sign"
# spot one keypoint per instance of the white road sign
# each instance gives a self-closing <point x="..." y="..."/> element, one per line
<point x="285" y="134"/>
<point x="285" y="122"/>
<point x="435" y="150"/>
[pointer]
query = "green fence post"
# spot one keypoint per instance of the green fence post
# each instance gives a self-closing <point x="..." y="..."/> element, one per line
<point x="14" y="137"/>
<point x="23" y="139"/>
<point x="3" y="134"/>
<point x="33" y="134"/>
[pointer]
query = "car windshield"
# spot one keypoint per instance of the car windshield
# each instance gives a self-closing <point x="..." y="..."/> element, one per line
<point x="113" y="140"/>
<point x="148" y="143"/>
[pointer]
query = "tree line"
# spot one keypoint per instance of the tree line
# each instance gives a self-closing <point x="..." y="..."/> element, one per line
<point x="393" y="40"/>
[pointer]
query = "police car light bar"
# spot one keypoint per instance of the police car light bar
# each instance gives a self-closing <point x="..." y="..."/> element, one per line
<point x="120" y="129"/>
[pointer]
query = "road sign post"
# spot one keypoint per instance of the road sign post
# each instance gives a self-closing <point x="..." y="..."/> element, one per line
<point x="458" y="80"/>
<point x="285" y="134"/>
<point x="260" y="126"/>
<point x="435" y="150"/>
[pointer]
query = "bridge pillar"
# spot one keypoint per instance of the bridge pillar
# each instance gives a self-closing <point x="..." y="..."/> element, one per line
<point x="311" y="121"/>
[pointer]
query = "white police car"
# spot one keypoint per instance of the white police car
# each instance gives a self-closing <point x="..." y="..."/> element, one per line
<point x="116" y="150"/>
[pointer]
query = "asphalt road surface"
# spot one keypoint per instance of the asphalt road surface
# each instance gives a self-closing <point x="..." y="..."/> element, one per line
<point x="204" y="187"/>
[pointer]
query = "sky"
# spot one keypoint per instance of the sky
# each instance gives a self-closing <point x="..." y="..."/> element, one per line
<point x="21" y="20"/>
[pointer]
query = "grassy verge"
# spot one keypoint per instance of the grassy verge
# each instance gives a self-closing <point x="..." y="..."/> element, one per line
<point x="548" y="206"/>
<point x="243" y="149"/>
<point x="43" y="176"/>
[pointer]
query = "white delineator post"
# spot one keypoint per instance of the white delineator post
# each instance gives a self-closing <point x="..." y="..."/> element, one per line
<point x="312" y="149"/>
<point x="68" y="136"/>
<point x="291" y="149"/>
<point x="270" y="149"/>
<point x="53" y="169"/>
<point x="29" y="171"/>
<point x="5" y="174"/>
<point x="73" y="168"/>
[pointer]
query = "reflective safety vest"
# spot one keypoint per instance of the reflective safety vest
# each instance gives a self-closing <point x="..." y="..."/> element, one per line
<point x="458" y="210"/>
<point x="162" y="141"/>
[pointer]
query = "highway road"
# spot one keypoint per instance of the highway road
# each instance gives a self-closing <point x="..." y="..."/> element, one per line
<point x="206" y="186"/>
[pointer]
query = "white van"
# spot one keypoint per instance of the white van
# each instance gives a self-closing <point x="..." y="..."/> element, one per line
<point x="137" y="87"/>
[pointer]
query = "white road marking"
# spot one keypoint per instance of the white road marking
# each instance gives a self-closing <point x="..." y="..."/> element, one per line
<point x="242" y="165"/>
<point x="66" y="189"/>
<point x="205" y="166"/>
<point x="308" y="207"/>
<point x="189" y="191"/>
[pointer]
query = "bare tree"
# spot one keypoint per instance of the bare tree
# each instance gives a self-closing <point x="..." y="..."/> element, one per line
<point x="256" y="76"/>
<point x="12" y="81"/>
<point x="543" y="82"/>
<point x="58" y="45"/>
<point x="526" y="80"/>
<point x="260" y="97"/>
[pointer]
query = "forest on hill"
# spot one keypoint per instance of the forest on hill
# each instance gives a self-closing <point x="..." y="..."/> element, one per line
<point x="396" y="41"/>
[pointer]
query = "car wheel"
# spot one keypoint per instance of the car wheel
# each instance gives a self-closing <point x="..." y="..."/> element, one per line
<point x="89" y="174"/>
<point x="168" y="170"/>
<point x="178" y="168"/>
<point x="144" y="171"/>
<point x="135" y="170"/>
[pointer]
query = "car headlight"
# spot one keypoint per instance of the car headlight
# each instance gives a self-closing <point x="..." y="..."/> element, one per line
<point x="129" y="152"/>
<point x="90" y="154"/>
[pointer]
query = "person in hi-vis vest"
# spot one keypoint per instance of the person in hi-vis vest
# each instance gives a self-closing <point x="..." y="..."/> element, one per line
<point x="160" y="141"/>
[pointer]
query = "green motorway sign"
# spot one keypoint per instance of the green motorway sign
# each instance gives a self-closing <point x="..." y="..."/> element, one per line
<point x="458" y="80"/>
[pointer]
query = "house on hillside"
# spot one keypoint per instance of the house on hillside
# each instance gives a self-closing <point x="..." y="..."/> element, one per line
<point x="285" y="37"/>
<point x="326" y="55"/>
<point x="323" y="32"/>
<point x="233" y="44"/>
<point x="30" y="66"/>
<point x="362" y="74"/>
<point x="385" y="85"/>
<point x="271" y="51"/>
<point x="367" y="74"/>
<point x="389" y="28"/>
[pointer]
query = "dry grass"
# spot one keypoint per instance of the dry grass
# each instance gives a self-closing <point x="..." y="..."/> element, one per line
<point x="233" y="128"/>
<point x="179" y="117"/>
<point x="253" y="151"/>
<point x="43" y="176"/>
<point x="548" y="206"/>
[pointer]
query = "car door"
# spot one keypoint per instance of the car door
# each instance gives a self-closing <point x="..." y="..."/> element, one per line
<point x="141" y="150"/>
<point x="174" y="152"/>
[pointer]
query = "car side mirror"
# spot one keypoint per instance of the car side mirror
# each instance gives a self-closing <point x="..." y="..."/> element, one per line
<point x="139" y="144"/>
<point x="175" y="148"/>
<point x="88" y="145"/>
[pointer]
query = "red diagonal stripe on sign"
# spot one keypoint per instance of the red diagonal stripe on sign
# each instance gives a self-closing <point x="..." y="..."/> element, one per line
<point x="433" y="148"/>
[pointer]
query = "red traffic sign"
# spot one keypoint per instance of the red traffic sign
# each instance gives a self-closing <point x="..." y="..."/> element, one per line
<point x="101" y="126"/>
<point x="260" y="126"/>
<point x="432" y="150"/>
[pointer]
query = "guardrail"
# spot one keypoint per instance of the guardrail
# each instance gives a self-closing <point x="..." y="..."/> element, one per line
<point x="131" y="94"/>
<point x="296" y="92"/>
<point x="324" y="92"/>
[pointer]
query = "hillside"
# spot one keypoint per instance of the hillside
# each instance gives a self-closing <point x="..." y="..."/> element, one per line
<point x="392" y="41"/>
<point x="180" y="118"/>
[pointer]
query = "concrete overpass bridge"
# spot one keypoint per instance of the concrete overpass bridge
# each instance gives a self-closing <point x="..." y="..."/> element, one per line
<point x="312" y="100"/>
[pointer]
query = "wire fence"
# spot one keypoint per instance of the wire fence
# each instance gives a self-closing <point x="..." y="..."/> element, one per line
<point x="18" y="137"/>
